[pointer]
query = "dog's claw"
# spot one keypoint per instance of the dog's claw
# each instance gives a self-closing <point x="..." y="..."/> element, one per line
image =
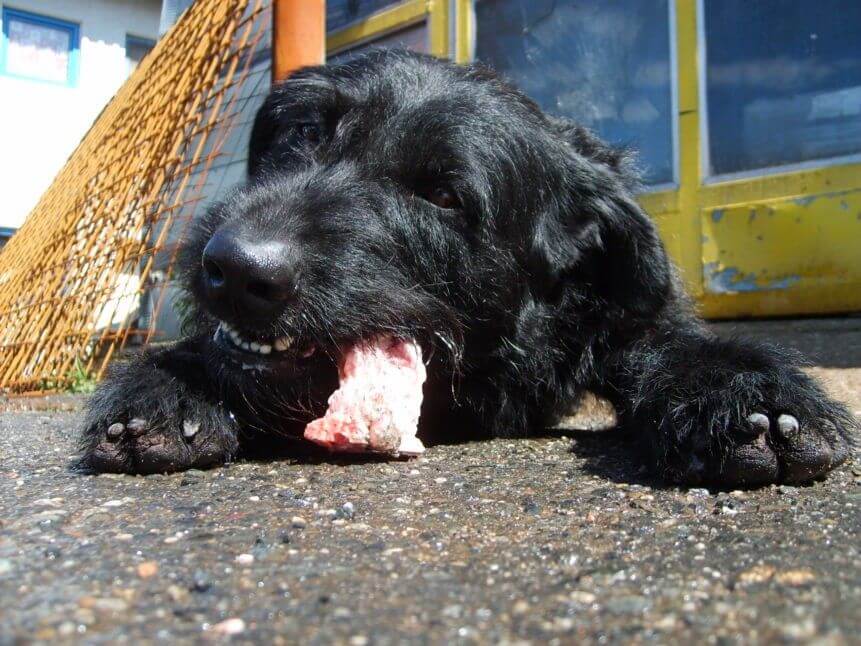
<point x="759" y="423"/>
<point x="137" y="426"/>
<point x="115" y="431"/>
<point x="190" y="429"/>
<point x="787" y="426"/>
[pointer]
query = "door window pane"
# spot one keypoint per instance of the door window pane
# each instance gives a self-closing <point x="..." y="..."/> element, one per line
<point x="340" y="13"/>
<point x="414" y="38"/>
<point x="603" y="63"/>
<point x="783" y="82"/>
<point x="39" y="48"/>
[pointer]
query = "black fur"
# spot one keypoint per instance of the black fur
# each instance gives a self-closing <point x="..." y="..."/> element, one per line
<point x="544" y="280"/>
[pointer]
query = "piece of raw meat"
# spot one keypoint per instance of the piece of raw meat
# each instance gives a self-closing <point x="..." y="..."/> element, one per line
<point x="377" y="404"/>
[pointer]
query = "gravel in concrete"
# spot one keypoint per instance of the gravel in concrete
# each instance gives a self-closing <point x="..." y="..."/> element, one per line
<point x="553" y="540"/>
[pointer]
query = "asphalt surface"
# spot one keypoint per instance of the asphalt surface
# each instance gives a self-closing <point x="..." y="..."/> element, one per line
<point x="560" y="539"/>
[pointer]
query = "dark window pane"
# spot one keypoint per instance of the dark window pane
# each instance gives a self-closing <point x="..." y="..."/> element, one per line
<point x="136" y="49"/>
<point x="414" y="38"/>
<point x="603" y="63"/>
<point x="783" y="82"/>
<point x="340" y="13"/>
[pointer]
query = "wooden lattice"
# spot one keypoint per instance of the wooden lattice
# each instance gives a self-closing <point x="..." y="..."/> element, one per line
<point x="72" y="277"/>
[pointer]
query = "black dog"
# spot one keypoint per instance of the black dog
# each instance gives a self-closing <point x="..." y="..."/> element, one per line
<point x="404" y="195"/>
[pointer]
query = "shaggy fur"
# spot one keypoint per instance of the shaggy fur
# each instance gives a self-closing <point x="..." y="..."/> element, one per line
<point x="534" y="277"/>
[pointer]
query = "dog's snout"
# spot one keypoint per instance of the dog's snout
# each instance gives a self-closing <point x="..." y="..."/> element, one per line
<point x="248" y="278"/>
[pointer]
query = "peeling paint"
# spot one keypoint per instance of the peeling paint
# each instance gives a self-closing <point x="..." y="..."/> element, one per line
<point x="730" y="280"/>
<point x="808" y="244"/>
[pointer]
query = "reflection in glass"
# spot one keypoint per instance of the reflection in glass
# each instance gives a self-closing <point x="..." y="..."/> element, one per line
<point x="603" y="63"/>
<point x="783" y="82"/>
<point x="414" y="38"/>
<point x="38" y="51"/>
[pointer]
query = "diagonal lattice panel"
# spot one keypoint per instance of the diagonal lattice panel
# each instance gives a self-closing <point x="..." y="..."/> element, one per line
<point x="74" y="277"/>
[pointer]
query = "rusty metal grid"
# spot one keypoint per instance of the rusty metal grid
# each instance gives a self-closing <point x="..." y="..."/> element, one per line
<point x="72" y="277"/>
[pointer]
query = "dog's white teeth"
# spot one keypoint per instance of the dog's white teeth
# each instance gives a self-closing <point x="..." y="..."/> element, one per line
<point x="235" y="337"/>
<point x="283" y="344"/>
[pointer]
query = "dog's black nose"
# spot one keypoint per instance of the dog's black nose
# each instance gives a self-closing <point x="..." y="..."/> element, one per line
<point x="248" y="278"/>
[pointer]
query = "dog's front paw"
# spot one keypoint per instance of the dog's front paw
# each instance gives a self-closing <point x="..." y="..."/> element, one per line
<point x="127" y="444"/>
<point x="142" y="420"/>
<point x="764" y="447"/>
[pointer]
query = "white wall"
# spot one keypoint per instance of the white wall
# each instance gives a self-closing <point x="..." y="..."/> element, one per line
<point x="41" y="123"/>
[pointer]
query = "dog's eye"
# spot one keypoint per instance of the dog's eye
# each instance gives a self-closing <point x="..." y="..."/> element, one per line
<point x="309" y="132"/>
<point x="443" y="197"/>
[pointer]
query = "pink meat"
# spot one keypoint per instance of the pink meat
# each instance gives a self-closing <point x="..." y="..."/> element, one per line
<point x="376" y="407"/>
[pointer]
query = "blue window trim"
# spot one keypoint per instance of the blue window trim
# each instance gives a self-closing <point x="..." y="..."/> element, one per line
<point x="73" y="29"/>
<point x="139" y="40"/>
<point x="7" y="232"/>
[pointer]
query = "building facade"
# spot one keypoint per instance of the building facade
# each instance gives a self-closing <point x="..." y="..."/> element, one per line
<point x="747" y="116"/>
<point x="60" y="62"/>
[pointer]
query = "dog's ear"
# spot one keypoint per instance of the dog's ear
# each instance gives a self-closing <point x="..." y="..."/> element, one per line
<point x="264" y="130"/>
<point x="595" y="234"/>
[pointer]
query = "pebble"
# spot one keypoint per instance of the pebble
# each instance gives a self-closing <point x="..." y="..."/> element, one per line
<point x="298" y="522"/>
<point x="200" y="582"/>
<point x="245" y="559"/>
<point x="147" y="569"/>
<point x="756" y="574"/>
<point x="232" y="626"/>
<point x="110" y="604"/>
<point x="793" y="578"/>
<point x="627" y="605"/>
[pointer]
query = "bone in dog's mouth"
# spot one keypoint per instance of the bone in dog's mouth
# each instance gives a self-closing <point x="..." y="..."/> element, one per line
<point x="377" y="404"/>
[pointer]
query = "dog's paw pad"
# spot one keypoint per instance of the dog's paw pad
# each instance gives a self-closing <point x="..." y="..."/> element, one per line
<point x="782" y="449"/>
<point x="805" y="453"/>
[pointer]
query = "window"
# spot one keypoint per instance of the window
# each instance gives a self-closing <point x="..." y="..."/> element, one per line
<point x="607" y="64"/>
<point x="340" y="13"/>
<point x="136" y="49"/>
<point x="782" y="82"/>
<point x="38" y="47"/>
<point x="414" y="37"/>
<point x="5" y="234"/>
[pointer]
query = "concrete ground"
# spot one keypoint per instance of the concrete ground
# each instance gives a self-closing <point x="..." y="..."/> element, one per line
<point x="560" y="539"/>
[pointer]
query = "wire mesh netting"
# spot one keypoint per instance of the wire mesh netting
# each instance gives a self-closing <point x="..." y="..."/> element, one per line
<point x="90" y="269"/>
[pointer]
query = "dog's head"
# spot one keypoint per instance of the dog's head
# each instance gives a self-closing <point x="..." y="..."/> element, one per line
<point x="400" y="194"/>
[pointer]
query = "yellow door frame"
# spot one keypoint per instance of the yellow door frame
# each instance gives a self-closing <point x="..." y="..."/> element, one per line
<point x="398" y="16"/>
<point x="777" y="243"/>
